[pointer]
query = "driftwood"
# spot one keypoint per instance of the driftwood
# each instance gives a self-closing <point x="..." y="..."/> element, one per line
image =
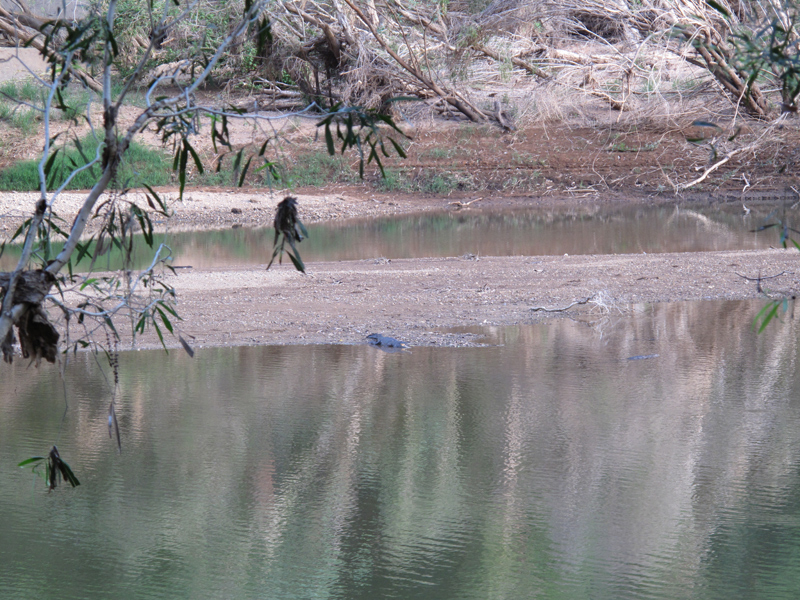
<point x="272" y="100"/>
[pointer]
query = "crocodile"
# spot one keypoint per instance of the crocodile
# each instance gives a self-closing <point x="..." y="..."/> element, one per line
<point x="386" y="343"/>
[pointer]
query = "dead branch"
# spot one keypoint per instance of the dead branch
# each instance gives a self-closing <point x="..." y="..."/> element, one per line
<point x="502" y="118"/>
<point x="272" y="100"/>
<point x="575" y="303"/>
<point x="717" y="59"/>
<point x="759" y="279"/>
<point x="612" y="102"/>
<point x="530" y="68"/>
<point x="459" y="205"/>
<point x="450" y="96"/>
<point x="679" y="187"/>
<point x="441" y="32"/>
<point x="568" y="56"/>
<point x="420" y="20"/>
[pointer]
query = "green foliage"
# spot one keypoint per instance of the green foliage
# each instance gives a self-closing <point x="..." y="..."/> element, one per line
<point x="209" y="35"/>
<point x="21" y="91"/>
<point x="140" y="165"/>
<point x="17" y="105"/>
<point x="317" y="169"/>
<point x="773" y="49"/>
<point x="395" y="180"/>
<point x="286" y="78"/>
<point x="623" y="147"/>
<point x="769" y="312"/>
<point x="26" y="120"/>
<point x="768" y="50"/>
<point x="351" y="127"/>
<point x="21" y="104"/>
<point x="441" y="184"/>
<point x="361" y="129"/>
<point x="193" y="39"/>
<point x="51" y="468"/>
<point x="427" y="181"/>
<point x="109" y="161"/>
<point x="716" y="51"/>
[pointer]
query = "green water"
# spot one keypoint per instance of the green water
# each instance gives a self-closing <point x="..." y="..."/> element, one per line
<point x="547" y="465"/>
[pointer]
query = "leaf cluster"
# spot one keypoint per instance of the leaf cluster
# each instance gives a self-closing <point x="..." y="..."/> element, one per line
<point x="240" y="164"/>
<point x="773" y="49"/>
<point x="358" y="128"/>
<point x="54" y="469"/>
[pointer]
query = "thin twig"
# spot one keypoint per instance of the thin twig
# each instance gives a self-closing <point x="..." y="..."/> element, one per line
<point x="575" y="303"/>
<point x="763" y="277"/>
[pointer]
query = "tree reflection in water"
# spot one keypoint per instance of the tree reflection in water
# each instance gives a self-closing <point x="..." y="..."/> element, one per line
<point x="547" y="465"/>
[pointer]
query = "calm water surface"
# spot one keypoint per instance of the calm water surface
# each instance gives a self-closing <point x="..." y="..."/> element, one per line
<point x="548" y="466"/>
<point x="528" y="232"/>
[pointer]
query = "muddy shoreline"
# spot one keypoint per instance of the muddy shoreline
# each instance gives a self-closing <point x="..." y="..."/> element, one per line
<point x="420" y="300"/>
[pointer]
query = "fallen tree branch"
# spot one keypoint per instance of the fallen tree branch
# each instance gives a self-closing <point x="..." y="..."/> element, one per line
<point x="14" y="29"/>
<point x="759" y="279"/>
<point x="530" y="68"/>
<point x="502" y="118"/>
<point x="477" y="46"/>
<point x="451" y="97"/>
<point x="679" y="187"/>
<point x="612" y="102"/>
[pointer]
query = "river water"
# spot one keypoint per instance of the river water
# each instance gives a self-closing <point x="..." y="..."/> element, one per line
<point x="601" y="229"/>
<point x="598" y="229"/>
<point x="552" y="463"/>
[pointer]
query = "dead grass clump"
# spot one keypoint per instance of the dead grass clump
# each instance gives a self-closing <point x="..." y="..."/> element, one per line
<point x="496" y="62"/>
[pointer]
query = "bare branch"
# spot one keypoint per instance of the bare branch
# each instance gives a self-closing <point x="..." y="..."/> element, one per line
<point x="574" y="303"/>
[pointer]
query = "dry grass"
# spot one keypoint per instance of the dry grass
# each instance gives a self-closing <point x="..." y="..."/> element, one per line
<point x="583" y="62"/>
<point x="608" y="63"/>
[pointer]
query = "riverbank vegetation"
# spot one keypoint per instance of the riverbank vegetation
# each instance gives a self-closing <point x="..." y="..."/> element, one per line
<point x="722" y="75"/>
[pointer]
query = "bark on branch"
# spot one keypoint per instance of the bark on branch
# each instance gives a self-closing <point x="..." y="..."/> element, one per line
<point x="717" y="59"/>
<point x="37" y="336"/>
